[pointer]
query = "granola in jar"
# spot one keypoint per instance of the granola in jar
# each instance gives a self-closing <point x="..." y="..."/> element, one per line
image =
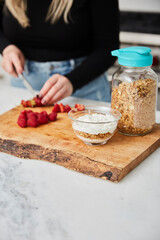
<point x="136" y="101"/>
<point x="134" y="90"/>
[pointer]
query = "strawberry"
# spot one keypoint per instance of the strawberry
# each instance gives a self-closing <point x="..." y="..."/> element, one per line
<point x="61" y="107"/>
<point x="67" y="108"/>
<point x="52" y="116"/>
<point x="28" y="103"/>
<point x="80" y="107"/>
<point x="31" y="103"/>
<point x="56" y="108"/>
<point x="24" y="103"/>
<point x="43" y="117"/>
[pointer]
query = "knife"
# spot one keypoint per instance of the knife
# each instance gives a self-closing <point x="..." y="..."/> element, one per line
<point x="27" y="84"/>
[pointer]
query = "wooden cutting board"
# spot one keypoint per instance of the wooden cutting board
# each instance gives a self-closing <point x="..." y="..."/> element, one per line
<point x="56" y="142"/>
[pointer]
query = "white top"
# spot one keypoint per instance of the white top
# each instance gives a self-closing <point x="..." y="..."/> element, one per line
<point x="92" y="128"/>
<point x="41" y="200"/>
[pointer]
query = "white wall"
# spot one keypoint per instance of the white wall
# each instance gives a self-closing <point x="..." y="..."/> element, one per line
<point x="140" y="5"/>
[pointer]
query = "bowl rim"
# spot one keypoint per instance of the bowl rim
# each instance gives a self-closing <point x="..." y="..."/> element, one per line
<point x="89" y="106"/>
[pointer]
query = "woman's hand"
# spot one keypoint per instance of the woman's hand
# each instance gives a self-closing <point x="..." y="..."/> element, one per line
<point x="13" y="60"/>
<point x="56" y="88"/>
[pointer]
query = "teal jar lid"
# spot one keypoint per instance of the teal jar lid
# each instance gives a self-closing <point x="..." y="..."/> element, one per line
<point x="134" y="56"/>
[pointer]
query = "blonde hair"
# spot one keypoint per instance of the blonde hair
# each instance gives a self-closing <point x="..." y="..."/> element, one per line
<point x="18" y="8"/>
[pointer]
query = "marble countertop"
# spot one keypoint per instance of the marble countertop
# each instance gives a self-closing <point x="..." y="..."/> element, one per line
<point x="40" y="200"/>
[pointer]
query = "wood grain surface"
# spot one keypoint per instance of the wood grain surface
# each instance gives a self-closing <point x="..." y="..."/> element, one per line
<point x="56" y="142"/>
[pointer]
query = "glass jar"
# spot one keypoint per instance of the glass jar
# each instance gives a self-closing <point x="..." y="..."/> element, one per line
<point x="134" y="91"/>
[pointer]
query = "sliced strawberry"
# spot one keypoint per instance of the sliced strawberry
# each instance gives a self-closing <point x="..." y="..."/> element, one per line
<point x="61" y="107"/>
<point x="52" y="116"/>
<point x="67" y="108"/>
<point x="56" y="108"/>
<point x="80" y="107"/>
<point x="35" y="102"/>
<point x="24" y="103"/>
<point x="30" y="103"/>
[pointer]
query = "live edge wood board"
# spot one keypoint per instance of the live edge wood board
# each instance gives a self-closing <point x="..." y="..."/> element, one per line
<point x="56" y="143"/>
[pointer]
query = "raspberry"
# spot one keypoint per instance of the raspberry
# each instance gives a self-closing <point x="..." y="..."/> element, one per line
<point x="43" y="117"/>
<point x="52" y="116"/>
<point x="27" y="111"/>
<point x="36" y="114"/>
<point x="56" y="108"/>
<point x="30" y="114"/>
<point x="32" y="121"/>
<point x="23" y="115"/>
<point x="22" y="122"/>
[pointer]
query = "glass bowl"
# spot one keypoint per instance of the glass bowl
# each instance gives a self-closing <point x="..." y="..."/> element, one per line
<point x="94" y="125"/>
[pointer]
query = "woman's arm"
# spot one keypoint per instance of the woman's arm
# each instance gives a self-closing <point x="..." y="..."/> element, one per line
<point x="104" y="16"/>
<point x="4" y="42"/>
<point x="13" y="59"/>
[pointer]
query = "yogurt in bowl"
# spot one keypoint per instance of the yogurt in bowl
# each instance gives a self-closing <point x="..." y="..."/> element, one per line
<point x="94" y="125"/>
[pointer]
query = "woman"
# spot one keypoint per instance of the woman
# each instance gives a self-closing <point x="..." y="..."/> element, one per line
<point x="63" y="46"/>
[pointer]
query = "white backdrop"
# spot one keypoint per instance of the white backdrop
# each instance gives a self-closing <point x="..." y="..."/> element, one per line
<point x="140" y="5"/>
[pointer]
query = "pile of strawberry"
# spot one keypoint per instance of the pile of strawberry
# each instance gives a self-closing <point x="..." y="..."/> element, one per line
<point x="28" y="118"/>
